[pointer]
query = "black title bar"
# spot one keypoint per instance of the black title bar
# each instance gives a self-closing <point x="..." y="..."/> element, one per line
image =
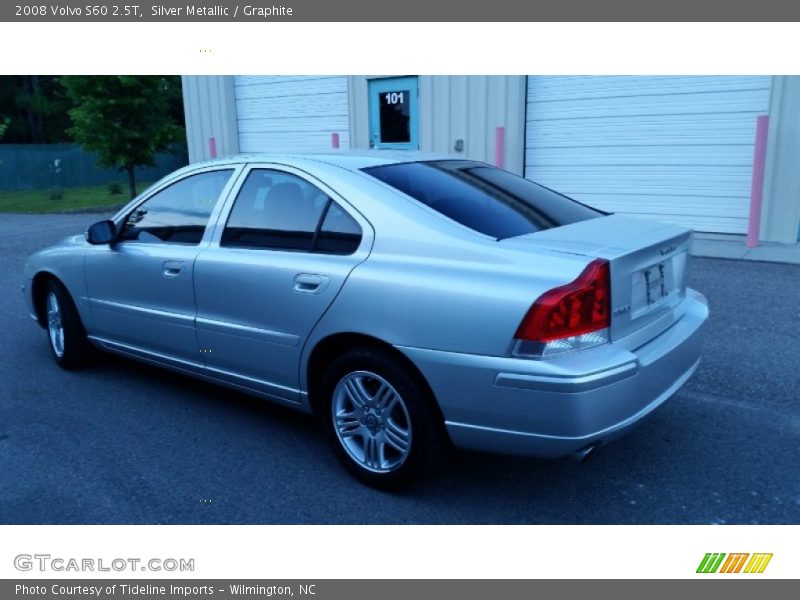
<point x="376" y="589"/>
<point x="398" y="11"/>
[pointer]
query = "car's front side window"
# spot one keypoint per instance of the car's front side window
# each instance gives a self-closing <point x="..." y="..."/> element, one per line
<point x="276" y="210"/>
<point x="179" y="213"/>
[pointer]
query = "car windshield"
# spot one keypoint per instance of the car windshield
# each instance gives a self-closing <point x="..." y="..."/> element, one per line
<point x="484" y="198"/>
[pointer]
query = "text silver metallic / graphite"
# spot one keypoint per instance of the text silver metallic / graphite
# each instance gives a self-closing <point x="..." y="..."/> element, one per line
<point x="218" y="10"/>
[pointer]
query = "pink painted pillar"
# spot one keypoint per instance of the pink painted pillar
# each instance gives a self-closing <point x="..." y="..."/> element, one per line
<point x="500" y="147"/>
<point x="335" y="141"/>
<point x="757" y="182"/>
<point x="212" y="147"/>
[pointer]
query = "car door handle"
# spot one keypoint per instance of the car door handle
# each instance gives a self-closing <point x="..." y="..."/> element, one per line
<point x="309" y="284"/>
<point x="172" y="268"/>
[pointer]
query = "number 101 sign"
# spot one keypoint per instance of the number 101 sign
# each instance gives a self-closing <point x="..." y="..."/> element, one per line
<point x="392" y="98"/>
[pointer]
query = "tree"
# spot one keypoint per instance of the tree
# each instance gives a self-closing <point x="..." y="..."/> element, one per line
<point x="126" y="119"/>
<point x="37" y="106"/>
<point x="4" y="122"/>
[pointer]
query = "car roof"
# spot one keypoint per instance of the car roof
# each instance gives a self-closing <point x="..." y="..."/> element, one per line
<point x="352" y="160"/>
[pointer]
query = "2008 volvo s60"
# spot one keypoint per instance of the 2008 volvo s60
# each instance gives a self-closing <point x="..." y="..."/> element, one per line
<point x="410" y="301"/>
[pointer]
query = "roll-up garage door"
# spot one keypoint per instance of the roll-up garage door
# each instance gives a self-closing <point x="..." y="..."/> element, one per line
<point x="677" y="149"/>
<point x="291" y="114"/>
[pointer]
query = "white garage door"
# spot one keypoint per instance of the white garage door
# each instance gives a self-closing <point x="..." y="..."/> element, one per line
<point x="294" y="114"/>
<point x="678" y="149"/>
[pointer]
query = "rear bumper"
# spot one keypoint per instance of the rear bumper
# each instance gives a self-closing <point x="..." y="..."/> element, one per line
<point x="556" y="407"/>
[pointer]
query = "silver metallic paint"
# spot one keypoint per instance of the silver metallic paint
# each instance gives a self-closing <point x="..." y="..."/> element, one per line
<point x="448" y="298"/>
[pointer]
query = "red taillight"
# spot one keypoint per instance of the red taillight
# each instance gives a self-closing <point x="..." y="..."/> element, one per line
<point x="579" y="307"/>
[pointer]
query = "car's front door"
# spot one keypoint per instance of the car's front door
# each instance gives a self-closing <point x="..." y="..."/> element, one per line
<point x="287" y="246"/>
<point x="140" y="287"/>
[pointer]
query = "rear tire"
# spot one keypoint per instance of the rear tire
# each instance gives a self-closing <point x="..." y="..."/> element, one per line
<point x="381" y="419"/>
<point x="65" y="333"/>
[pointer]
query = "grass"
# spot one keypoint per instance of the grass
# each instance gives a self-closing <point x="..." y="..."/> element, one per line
<point x="72" y="199"/>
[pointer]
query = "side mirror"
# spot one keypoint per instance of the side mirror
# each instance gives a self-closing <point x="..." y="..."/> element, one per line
<point x="102" y="232"/>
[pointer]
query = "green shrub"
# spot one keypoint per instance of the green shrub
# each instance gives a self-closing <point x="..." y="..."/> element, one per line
<point x="114" y="188"/>
<point x="56" y="194"/>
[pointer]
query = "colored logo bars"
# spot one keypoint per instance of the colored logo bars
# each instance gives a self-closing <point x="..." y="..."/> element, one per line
<point x="733" y="563"/>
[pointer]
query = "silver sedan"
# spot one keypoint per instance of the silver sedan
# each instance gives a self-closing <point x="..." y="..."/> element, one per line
<point x="411" y="301"/>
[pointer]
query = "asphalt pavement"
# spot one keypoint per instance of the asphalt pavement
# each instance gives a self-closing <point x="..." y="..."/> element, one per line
<point x="121" y="442"/>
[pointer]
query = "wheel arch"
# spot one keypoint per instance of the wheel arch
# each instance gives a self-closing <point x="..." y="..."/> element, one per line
<point x="328" y="348"/>
<point x="38" y="288"/>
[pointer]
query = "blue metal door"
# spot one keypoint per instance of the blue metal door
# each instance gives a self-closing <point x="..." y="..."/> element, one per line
<point x="394" y="113"/>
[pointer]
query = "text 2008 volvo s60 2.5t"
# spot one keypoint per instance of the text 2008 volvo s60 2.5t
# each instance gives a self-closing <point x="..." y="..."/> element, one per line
<point x="412" y="302"/>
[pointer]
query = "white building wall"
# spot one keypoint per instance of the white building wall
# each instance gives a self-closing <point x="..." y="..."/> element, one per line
<point x="291" y="114"/>
<point x="780" y="216"/>
<point x="471" y="108"/>
<point x="678" y="149"/>
<point x="672" y="148"/>
<point x="452" y="108"/>
<point x="210" y="112"/>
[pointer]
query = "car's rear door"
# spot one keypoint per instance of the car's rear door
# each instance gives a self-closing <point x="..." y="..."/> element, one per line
<point x="140" y="288"/>
<point x="282" y="250"/>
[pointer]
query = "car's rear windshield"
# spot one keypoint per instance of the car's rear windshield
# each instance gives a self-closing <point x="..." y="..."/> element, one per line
<point x="484" y="198"/>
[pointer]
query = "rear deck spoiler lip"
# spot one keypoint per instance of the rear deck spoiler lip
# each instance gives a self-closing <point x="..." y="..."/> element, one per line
<point x="558" y="239"/>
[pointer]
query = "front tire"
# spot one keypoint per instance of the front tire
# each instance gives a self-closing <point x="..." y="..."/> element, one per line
<point x="65" y="332"/>
<point x="381" y="419"/>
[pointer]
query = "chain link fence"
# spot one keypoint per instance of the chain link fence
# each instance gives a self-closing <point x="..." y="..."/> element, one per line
<point x="44" y="166"/>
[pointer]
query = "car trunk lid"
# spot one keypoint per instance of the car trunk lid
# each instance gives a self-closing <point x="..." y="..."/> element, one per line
<point x="648" y="262"/>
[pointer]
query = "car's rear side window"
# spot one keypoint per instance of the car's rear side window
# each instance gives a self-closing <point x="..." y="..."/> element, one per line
<point x="276" y="210"/>
<point x="338" y="233"/>
<point x="486" y="199"/>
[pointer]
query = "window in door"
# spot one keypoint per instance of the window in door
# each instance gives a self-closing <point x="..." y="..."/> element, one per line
<point x="178" y="214"/>
<point x="276" y="210"/>
<point x="393" y="107"/>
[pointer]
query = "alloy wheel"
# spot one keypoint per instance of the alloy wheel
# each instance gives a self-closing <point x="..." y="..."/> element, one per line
<point x="55" y="326"/>
<point x="371" y="421"/>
